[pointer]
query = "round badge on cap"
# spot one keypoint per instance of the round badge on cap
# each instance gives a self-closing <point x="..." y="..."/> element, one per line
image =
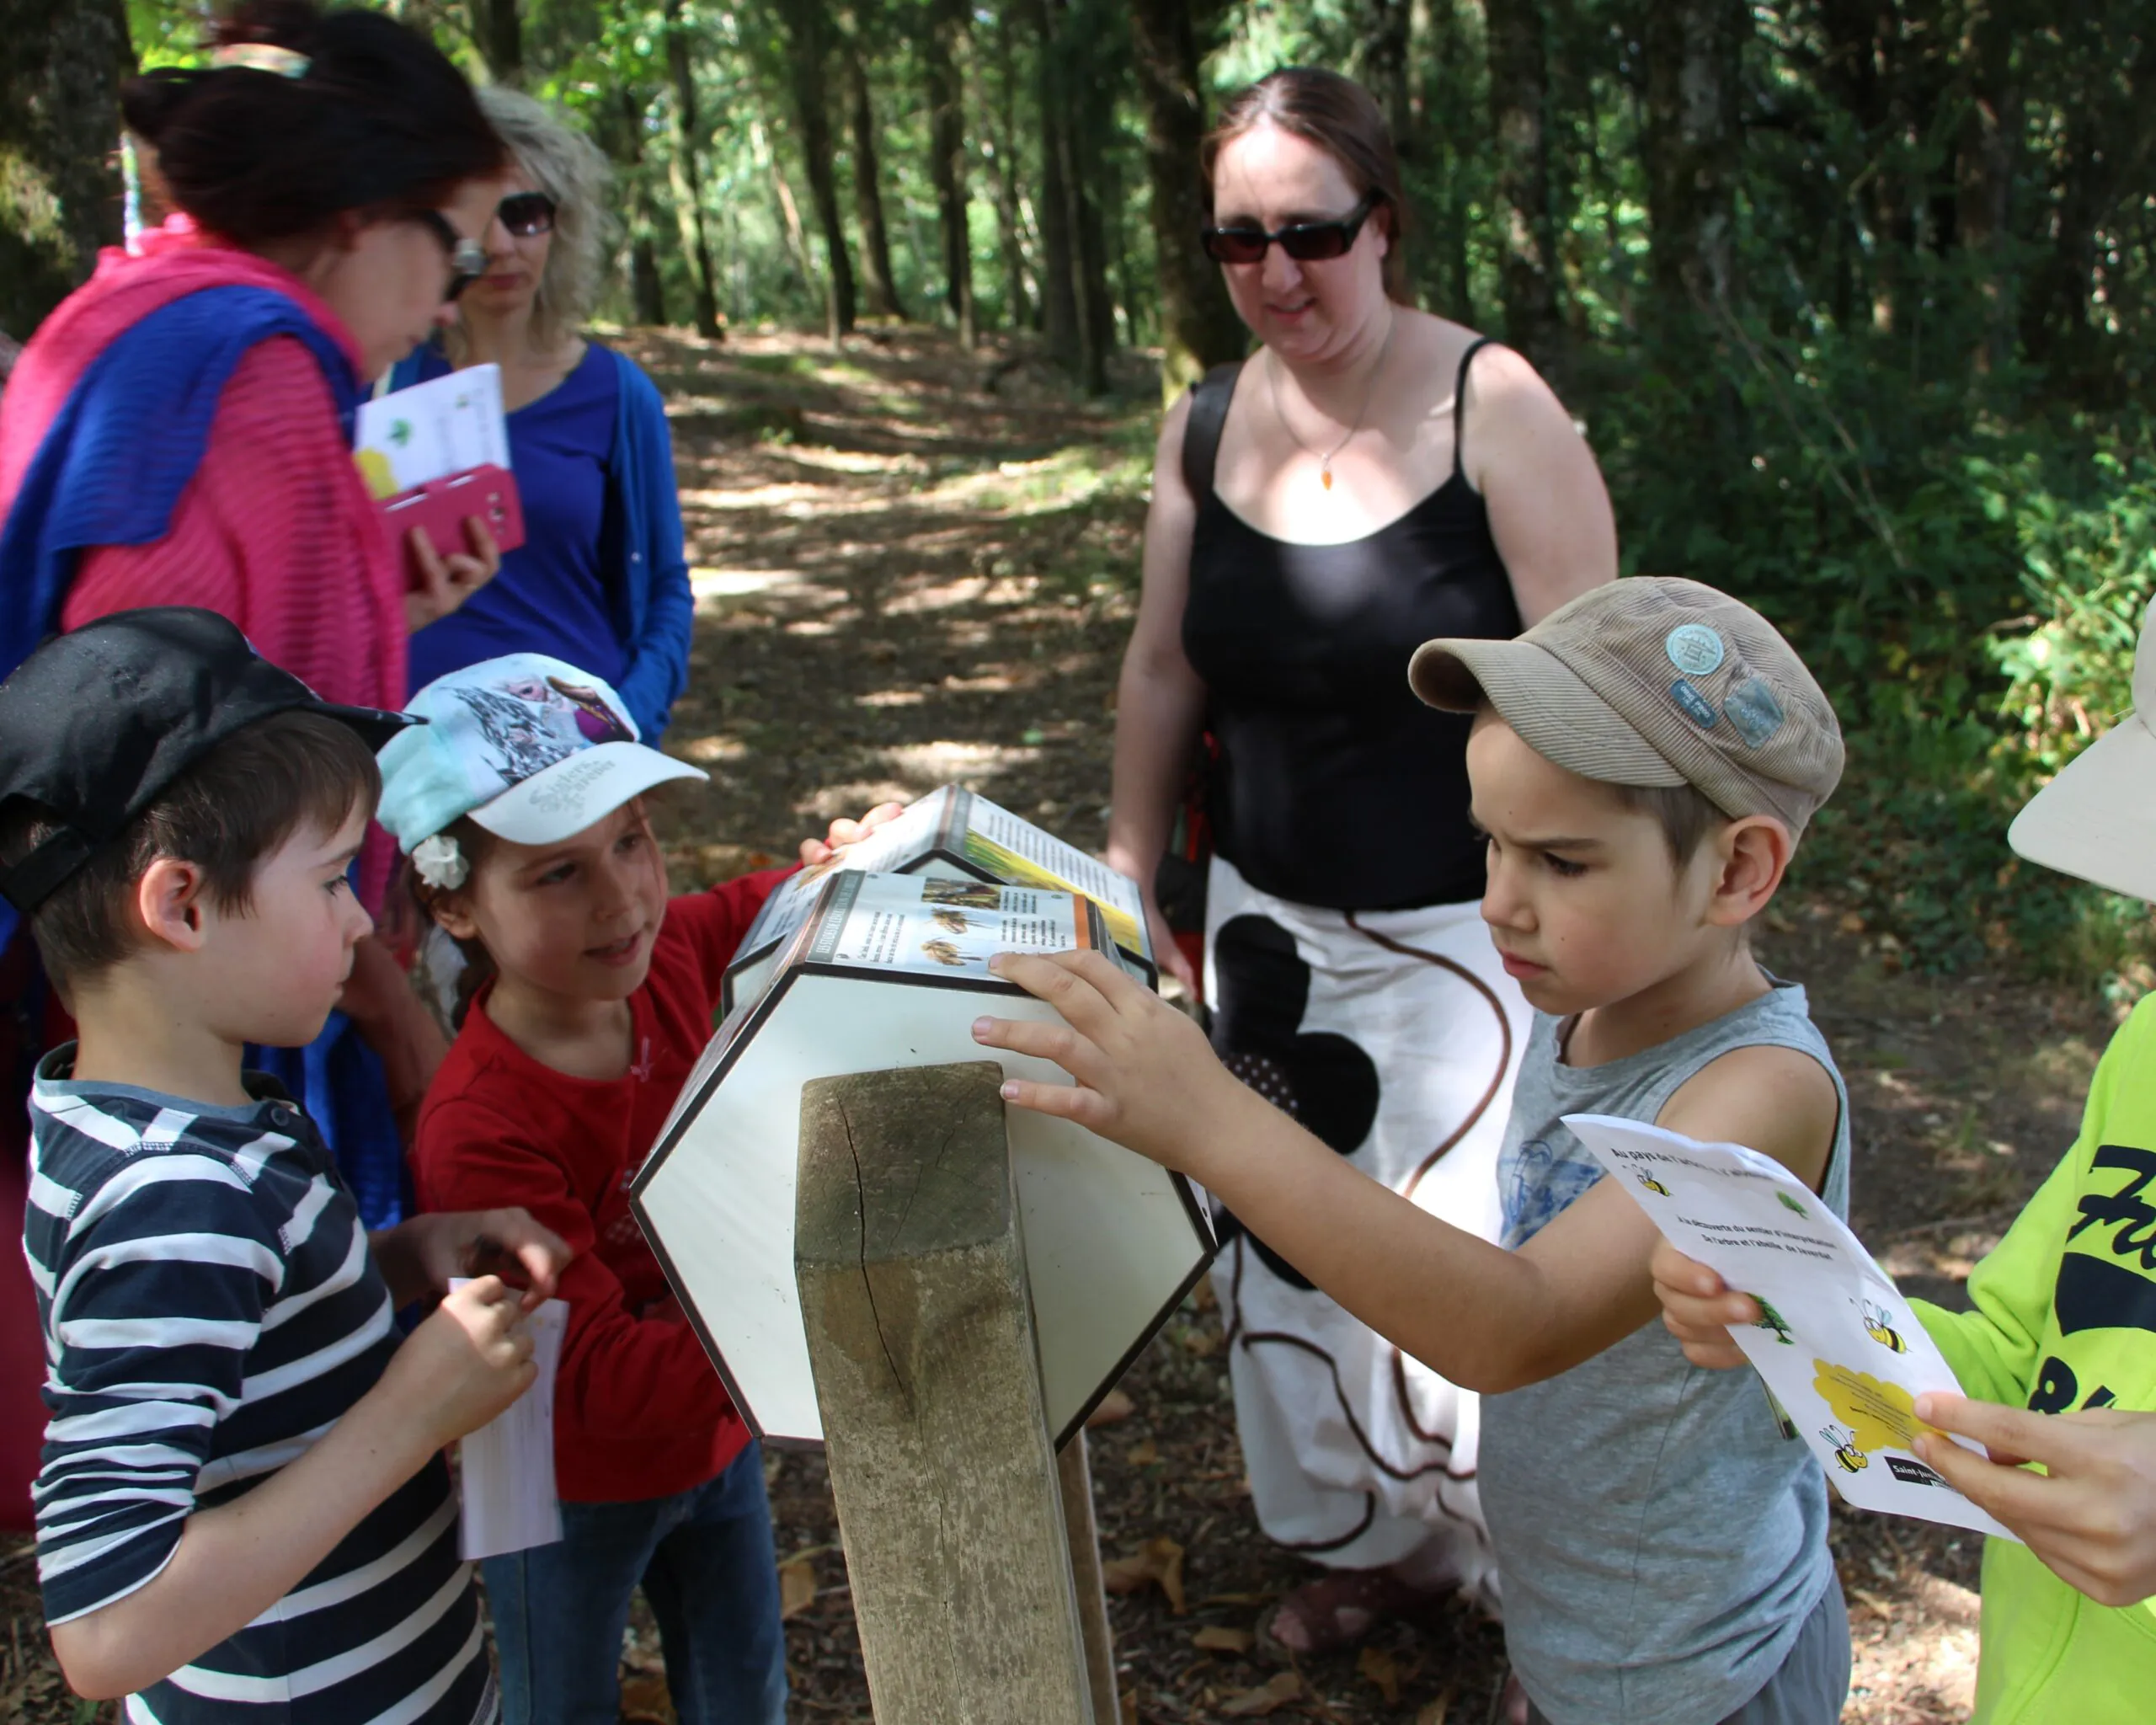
<point x="1694" y="649"/>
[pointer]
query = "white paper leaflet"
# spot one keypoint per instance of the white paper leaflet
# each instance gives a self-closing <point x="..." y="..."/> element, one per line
<point x="1837" y="1345"/>
<point x="432" y="430"/>
<point x="507" y="1466"/>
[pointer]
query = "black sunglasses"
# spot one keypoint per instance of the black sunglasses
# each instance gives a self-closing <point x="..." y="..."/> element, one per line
<point x="526" y="214"/>
<point x="467" y="258"/>
<point x="1305" y="242"/>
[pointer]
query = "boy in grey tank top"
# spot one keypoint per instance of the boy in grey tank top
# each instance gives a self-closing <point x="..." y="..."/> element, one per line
<point x="1644" y="761"/>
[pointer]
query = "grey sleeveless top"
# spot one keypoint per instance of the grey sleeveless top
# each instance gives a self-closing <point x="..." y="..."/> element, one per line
<point x="1660" y="1543"/>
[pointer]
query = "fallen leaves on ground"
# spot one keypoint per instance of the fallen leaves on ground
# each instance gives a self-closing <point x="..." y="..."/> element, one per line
<point x="796" y="1586"/>
<point x="1267" y="1698"/>
<point x="1160" y="1560"/>
<point x="1217" y="1638"/>
<point x="1382" y="1669"/>
<point x="1115" y="1406"/>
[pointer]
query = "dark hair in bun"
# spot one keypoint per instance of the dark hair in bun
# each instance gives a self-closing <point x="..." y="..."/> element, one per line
<point x="379" y="116"/>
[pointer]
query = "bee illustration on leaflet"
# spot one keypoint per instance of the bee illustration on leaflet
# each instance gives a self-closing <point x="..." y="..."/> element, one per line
<point x="1847" y="1456"/>
<point x="1877" y="1327"/>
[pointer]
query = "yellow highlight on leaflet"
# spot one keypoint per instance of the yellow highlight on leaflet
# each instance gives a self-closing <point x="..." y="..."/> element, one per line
<point x="1879" y="1416"/>
<point x="374" y="468"/>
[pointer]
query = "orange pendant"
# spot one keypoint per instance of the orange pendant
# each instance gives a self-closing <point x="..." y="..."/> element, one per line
<point x="1325" y="475"/>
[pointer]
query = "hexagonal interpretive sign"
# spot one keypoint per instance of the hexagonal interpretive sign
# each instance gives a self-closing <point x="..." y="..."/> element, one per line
<point x="887" y="970"/>
<point x="957" y="834"/>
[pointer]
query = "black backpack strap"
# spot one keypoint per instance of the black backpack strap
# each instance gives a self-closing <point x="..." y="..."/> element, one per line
<point x="1201" y="432"/>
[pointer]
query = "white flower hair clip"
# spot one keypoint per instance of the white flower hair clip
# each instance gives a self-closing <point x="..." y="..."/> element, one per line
<point x="440" y="862"/>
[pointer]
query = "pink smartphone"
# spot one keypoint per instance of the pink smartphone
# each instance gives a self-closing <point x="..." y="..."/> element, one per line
<point x="441" y="506"/>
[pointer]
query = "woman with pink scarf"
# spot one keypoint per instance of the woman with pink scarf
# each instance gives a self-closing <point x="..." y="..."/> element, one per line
<point x="179" y="431"/>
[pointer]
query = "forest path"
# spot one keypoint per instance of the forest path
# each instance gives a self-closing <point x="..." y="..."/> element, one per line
<point x="904" y="578"/>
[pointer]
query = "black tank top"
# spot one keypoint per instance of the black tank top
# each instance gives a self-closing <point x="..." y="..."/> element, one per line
<point x="1335" y="786"/>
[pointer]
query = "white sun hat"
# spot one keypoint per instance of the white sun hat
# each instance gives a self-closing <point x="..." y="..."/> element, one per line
<point x="531" y="748"/>
<point x="2097" y="819"/>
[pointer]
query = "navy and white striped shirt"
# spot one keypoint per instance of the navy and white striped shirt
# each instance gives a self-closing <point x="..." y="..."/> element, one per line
<point x="211" y="1309"/>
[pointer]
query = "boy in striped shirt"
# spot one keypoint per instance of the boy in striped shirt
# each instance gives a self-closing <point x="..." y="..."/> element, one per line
<point x="242" y="1511"/>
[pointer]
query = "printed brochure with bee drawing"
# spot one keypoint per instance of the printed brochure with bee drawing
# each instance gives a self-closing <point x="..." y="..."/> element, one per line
<point x="1843" y="1355"/>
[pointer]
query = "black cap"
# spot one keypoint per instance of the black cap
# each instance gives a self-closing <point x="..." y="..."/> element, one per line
<point x="97" y="723"/>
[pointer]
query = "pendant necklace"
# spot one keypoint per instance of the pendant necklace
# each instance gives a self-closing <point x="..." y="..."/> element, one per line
<point x="1324" y="460"/>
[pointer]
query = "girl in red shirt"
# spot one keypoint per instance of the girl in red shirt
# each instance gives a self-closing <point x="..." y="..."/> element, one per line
<point x="520" y="804"/>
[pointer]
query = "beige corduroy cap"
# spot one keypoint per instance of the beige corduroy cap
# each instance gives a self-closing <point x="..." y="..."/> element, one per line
<point x="1656" y="680"/>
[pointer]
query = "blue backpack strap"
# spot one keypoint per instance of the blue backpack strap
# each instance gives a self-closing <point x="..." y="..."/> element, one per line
<point x="129" y="438"/>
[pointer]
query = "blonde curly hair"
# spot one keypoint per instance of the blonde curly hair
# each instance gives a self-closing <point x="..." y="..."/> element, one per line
<point x="562" y="162"/>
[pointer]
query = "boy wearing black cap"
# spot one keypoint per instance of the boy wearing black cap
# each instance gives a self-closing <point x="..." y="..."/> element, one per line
<point x="242" y="1511"/>
<point x="1643" y="761"/>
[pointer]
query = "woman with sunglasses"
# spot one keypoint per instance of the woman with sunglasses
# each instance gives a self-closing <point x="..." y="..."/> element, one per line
<point x="601" y="579"/>
<point x="178" y="432"/>
<point x="1371" y="477"/>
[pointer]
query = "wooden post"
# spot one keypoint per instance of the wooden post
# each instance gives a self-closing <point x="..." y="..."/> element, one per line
<point x="912" y="1275"/>
<point x="1074" y="1472"/>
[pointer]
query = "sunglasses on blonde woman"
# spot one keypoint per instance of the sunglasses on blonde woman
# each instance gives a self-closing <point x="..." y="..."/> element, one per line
<point x="527" y="215"/>
<point x="1305" y="242"/>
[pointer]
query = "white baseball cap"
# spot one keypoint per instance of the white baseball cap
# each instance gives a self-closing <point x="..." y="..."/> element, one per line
<point x="532" y="749"/>
<point x="2097" y="819"/>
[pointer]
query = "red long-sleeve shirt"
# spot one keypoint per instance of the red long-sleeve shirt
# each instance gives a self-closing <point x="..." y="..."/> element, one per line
<point x="638" y="1411"/>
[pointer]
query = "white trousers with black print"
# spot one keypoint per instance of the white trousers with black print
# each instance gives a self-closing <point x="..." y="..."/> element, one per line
<point x="1394" y="1036"/>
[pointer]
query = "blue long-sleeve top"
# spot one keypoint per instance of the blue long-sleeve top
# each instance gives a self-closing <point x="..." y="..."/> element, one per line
<point x="601" y="579"/>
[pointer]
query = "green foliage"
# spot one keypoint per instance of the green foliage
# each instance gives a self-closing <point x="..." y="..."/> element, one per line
<point x="1906" y="424"/>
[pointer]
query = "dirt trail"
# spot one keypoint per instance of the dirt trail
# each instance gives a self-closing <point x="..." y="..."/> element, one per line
<point x="903" y="579"/>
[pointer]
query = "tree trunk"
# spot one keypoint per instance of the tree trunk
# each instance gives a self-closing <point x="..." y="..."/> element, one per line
<point x="59" y="190"/>
<point x="1983" y="171"/>
<point x="807" y="60"/>
<point x="797" y="237"/>
<point x="1000" y="152"/>
<point x="687" y="173"/>
<point x="621" y="132"/>
<point x="1528" y="248"/>
<point x="1447" y="99"/>
<point x="1199" y="326"/>
<point x="1383" y="54"/>
<point x="879" y="285"/>
<point x="947" y="157"/>
<point x="1058" y="253"/>
<point x="1693" y="142"/>
<point x="498" y="35"/>
<point x="1086" y="115"/>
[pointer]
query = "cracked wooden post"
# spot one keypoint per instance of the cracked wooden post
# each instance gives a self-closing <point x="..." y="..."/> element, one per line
<point x="912" y="1273"/>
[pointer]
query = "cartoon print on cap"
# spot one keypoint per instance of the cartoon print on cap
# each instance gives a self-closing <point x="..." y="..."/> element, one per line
<point x="519" y="734"/>
<point x="531" y="724"/>
<point x="595" y="719"/>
